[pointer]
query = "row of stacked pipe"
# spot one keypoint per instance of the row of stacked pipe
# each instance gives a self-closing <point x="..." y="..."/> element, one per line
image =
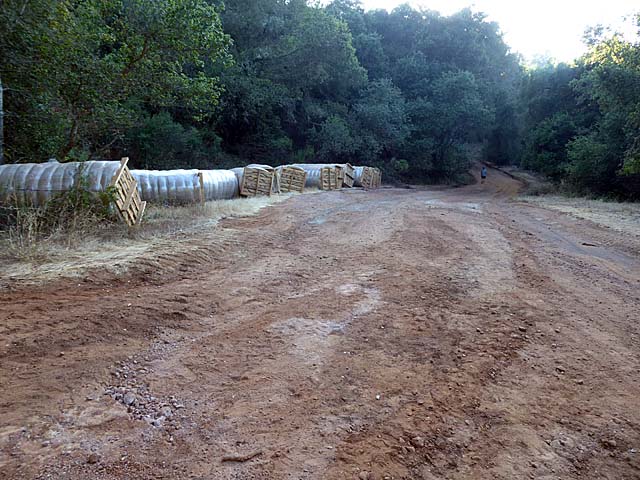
<point x="36" y="183"/>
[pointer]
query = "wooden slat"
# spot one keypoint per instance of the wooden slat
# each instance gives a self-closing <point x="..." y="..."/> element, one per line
<point x="127" y="201"/>
<point x="201" y="183"/>
<point x="292" y="179"/>
<point x="257" y="182"/>
<point x="143" y="207"/>
<point x="121" y="170"/>
<point x="328" y="178"/>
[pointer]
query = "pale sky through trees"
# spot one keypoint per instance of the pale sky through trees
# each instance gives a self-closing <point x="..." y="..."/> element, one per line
<point x="542" y="27"/>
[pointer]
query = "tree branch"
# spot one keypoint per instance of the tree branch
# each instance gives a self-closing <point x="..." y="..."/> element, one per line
<point x="136" y="59"/>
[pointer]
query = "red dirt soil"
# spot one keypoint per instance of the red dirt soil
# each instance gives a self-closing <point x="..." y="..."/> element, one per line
<point x="390" y="334"/>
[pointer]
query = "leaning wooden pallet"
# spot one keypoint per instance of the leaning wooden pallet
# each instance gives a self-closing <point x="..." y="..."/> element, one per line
<point x="257" y="181"/>
<point x="292" y="179"/>
<point x="329" y="178"/>
<point x="128" y="203"/>
<point x="367" y="177"/>
<point x="347" y="175"/>
<point x="377" y="178"/>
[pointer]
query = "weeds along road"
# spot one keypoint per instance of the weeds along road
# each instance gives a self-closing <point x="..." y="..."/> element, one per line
<point x="397" y="334"/>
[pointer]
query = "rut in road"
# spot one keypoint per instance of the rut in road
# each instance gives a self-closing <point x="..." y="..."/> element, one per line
<point x="404" y="334"/>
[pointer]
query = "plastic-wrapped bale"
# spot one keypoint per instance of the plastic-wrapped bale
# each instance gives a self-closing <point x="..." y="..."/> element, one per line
<point x="258" y="180"/>
<point x="239" y="173"/>
<point x="329" y="178"/>
<point x="291" y="179"/>
<point x="345" y="175"/>
<point x="36" y="183"/>
<point x="357" y="176"/>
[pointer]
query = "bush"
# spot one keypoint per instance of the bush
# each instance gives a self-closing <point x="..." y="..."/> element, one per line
<point x="160" y="143"/>
<point x="592" y="167"/>
<point x="66" y="218"/>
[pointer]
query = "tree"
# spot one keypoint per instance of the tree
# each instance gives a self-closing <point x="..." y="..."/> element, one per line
<point x="100" y="61"/>
<point x="1" y="122"/>
<point x="295" y="68"/>
<point x="452" y="114"/>
<point x="334" y="141"/>
<point x="415" y="50"/>
<point x="380" y="121"/>
<point x="612" y="82"/>
<point x="584" y="120"/>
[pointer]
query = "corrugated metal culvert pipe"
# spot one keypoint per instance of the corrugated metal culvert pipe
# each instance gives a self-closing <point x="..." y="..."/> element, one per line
<point x="36" y="183"/>
<point x="168" y="186"/>
<point x="357" y="176"/>
<point x="313" y="172"/>
<point x="220" y="184"/>
<point x="183" y="186"/>
<point x="367" y="177"/>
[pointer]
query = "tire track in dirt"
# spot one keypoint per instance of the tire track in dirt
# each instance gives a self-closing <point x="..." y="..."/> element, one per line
<point x="398" y="334"/>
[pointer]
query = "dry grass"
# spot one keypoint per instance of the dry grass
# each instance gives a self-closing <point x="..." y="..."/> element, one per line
<point x="27" y="233"/>
<point x="174" y="219"/>
<point x="622" y="217"/>
<point x="25" y="257"/>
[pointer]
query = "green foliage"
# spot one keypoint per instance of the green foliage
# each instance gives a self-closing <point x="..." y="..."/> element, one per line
<point x="186" y="83"/>
<point x="591" y="166"/>
<point x="66" y="218"/>
<point x="400" y="165"/>
<point x="183" y="83"/>
<point x="631" y="165"/>
<point x="334" y="140"/>
<point x="77" y="71"/>
<point x="451" y="114"/>
<point x="160" y="143"/>
<point x="341" y="84"/>
<point x="66" y="209"/>
<point x="546" y="143"/>
<point x="583" y="122"/>
<point x="380" y="121"/>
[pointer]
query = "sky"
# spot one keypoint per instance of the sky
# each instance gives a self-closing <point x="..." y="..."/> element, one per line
<point x="551" y="28"/>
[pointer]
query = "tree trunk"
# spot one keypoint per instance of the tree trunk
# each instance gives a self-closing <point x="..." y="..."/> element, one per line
<point x="1" y="124"/>
<point x="62" y="155"/>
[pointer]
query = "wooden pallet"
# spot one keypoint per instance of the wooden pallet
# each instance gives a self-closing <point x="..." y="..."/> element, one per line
<point x="377" y="178"/>
<point x="329" y="178"/>
<point x="257" y="181"/>
<point x="367" y="179"/>
<point x="128" y="203"/>
<point x="346" y="174"/>
<point x="292" y="179"/>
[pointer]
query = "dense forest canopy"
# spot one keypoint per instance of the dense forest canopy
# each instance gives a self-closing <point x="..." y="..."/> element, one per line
<point x="199" y="83"/>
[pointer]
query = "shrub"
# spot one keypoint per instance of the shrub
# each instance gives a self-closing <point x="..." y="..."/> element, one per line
<point x="67" y="217"/>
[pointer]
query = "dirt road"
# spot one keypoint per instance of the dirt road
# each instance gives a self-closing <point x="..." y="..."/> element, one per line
<point x="392" y="334"/>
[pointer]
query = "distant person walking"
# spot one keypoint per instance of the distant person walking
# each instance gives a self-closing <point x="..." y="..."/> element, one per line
<point x="483" y="174"/>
